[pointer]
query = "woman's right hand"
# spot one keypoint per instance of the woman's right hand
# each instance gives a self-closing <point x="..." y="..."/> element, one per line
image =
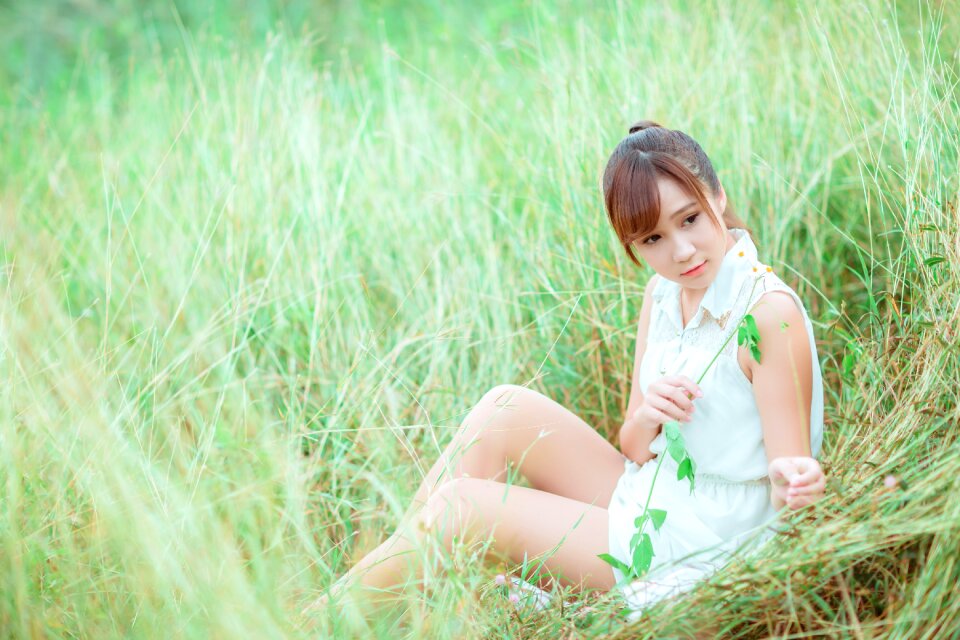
<point x="668" y="399"/>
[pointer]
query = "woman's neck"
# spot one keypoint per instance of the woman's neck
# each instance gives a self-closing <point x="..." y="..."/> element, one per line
<point x="690" y="298"/>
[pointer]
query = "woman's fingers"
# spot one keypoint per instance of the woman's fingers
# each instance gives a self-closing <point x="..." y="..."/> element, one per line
<point x="687" y="385"/>
<point x="800" y="478"/>
<point x="806" y="490"/>
<point x="798" y="470"/>
<point x="779" y="475"/>
<point x="653" y="415"/>
<point x="679" y="397"/>
<point x="782" y="470"/>
<point x="668" y="408"/>
<point x="808" y="471"/>
<point x="798" y="502"/>
<point x="798" y="497"/>
<point x="670" y="399"/>
<point x="672" y="394"/>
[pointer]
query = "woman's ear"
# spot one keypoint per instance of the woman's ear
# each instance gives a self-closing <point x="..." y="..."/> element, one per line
<point x="722" y="200"/>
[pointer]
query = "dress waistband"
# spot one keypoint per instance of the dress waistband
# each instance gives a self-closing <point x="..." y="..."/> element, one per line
<point x="714" y="479"/>
<point x="671" y="465"/>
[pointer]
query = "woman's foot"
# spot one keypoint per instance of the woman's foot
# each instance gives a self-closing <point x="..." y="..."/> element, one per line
<point x="523" y="594"/>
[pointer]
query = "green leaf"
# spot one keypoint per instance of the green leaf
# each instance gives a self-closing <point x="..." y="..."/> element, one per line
<point x="676" y="449"/>
<point x="747" y="333"/>
<point x="639" y="520"/>
<point x="672" y="430"/>
<point x="622" y="566"/>
<point x="658" y="516"/>
<point x="752" y="326"/>
<point x="752" y="336"/>
<point x="932" y="260"/>
<point x="686" y="470"/>
<point x="643" y="555"/>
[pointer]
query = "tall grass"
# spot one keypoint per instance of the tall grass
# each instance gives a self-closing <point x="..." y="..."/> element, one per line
<point x="255" y="276"/>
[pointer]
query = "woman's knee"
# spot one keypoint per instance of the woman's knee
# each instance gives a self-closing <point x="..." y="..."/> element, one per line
<point x="503" y="401"/>
<point x="491" y="407"/>
<point x="451" y="510"/>
<point x="502" y="395"/>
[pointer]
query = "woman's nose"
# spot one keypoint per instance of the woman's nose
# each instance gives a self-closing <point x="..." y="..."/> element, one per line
<point x="683" y="251"/>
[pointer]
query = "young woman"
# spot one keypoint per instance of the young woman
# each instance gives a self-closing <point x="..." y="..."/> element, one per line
<point x="753" y="428"/>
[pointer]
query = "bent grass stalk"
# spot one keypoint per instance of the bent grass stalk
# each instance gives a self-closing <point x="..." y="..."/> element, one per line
<point x="641" y="544"/>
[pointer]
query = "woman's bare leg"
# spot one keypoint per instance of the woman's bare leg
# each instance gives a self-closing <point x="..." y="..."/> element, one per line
<point x="567" y="535"/>
<point x="548" y="444"/>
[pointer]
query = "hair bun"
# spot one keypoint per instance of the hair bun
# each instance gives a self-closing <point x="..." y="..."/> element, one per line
<point x="644" y="124"/>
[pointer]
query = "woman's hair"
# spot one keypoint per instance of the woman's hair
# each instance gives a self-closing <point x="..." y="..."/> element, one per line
<point x="630" y="190"/>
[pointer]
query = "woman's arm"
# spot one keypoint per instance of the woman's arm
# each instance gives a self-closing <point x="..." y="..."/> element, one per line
<point x="635" y="440"/>
<point x="782" y="386"/>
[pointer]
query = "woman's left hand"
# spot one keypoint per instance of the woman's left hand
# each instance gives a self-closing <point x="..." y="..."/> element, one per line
<point x="796" y="481"/>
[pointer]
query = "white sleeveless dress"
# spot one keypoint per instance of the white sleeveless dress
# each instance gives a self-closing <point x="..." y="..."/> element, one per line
<point x="730" y="508"/>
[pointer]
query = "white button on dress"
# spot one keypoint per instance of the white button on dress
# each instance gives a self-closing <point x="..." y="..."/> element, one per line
<point x="730" y="506"/>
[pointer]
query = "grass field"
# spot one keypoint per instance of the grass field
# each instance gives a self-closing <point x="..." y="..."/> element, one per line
<point x="258" y="260"/>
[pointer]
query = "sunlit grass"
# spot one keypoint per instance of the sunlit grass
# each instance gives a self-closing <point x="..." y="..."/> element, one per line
<point x="251" y="286"/>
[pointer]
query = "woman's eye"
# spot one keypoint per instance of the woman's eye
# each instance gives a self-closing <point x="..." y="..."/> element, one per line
<point x="691" y="219"/>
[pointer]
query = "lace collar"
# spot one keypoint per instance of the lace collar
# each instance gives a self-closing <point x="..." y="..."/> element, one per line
<point x="739" y="263"/>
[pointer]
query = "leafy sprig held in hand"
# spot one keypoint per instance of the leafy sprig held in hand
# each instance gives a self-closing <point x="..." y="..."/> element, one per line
<point x="641" y="544"/>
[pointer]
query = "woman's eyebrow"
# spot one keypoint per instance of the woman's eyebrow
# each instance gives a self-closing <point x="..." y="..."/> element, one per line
<point x="683" y="209"/>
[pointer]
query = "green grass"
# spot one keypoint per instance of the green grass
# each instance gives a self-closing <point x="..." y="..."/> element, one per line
<point x="258" y="264"/>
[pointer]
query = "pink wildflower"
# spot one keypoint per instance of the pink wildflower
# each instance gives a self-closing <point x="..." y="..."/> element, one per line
<point x="890" y="481"/>
<point x="500" y="579"/>
<point x="514" y="598"/>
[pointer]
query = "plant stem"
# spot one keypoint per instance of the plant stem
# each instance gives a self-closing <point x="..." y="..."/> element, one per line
<point x="652" y="483"/>
<point x="730" y="337"/>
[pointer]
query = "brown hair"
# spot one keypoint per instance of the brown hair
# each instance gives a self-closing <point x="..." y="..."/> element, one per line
<point x="630" y="190"/>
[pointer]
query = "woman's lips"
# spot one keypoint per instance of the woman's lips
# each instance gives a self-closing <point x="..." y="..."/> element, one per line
<point x="695" y="271"/>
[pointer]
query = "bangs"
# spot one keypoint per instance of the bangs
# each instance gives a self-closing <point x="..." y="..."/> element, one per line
<point x="633" y="198"/>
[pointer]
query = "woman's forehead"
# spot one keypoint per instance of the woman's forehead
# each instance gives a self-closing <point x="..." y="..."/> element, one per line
<point x="673" y="198"/>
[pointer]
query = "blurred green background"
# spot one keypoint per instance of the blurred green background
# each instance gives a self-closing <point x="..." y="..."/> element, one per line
<point x="260" y="259"/>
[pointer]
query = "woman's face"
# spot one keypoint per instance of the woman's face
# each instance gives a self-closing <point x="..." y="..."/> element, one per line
<point x="686" y="246"/>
